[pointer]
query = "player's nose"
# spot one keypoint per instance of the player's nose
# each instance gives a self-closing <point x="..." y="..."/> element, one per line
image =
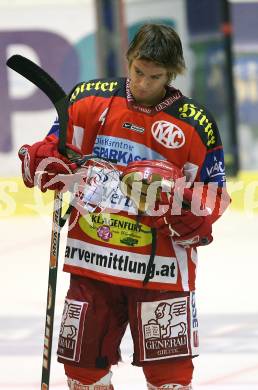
<point x="144" y="84"/>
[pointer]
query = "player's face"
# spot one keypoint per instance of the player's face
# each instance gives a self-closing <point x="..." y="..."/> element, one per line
<point x="147" y="82"/>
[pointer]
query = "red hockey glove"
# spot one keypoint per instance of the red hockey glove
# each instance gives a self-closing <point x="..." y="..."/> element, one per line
<point x="42" y="163"/>
<point x="158" y="188"/>
<point x="191" y="228"/>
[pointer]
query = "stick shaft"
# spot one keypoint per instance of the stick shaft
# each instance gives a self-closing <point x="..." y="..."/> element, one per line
<point x="51" y="294"/>
<point x="57" y="95"/>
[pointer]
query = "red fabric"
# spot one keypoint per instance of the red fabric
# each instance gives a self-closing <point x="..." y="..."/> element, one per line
<point x="105" y="321"/>
<point x="38" y="169"/>
<point x="179" y="371"/>
<point x="177" y="130"/>
<point x="86" y="376"/>
<point x="110" y="309"/>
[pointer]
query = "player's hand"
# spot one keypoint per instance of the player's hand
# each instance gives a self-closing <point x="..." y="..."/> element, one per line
<point x="43" y="165"/>
<point x="190" y="227"/>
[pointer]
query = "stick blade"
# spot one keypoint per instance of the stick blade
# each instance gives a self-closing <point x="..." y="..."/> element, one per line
<point x="37" y="76"/>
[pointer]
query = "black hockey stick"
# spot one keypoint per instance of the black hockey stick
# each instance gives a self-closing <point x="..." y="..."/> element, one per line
<point x="49" y="86"/>
<point x="58" y="97"/>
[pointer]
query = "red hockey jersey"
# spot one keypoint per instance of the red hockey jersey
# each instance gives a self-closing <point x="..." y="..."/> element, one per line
<point x="105" y="121"/>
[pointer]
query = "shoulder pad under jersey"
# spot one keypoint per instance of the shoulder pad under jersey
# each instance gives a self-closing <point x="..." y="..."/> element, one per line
<point x="198" y="117"/>
<point x="97" y="87"/>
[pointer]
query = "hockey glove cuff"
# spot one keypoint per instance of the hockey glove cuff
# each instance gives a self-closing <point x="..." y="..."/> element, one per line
<point x="42" y="165"/>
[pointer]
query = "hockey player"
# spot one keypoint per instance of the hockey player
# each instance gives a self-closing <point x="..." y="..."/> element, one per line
<point x="148" y="127"/>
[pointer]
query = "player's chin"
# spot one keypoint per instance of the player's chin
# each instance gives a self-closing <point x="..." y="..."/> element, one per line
<point x="143" y="98"/>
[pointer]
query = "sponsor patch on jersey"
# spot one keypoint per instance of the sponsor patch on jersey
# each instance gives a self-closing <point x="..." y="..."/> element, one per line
<point x="165" y="329"/>
<point x="213" y="169"/>
<point x="205" y="126"/>
<point x="123" y="151"/>
<point x="131" y="126"/>
<point x="71" y="330"/>
<point x="116" y="230"/>
<point x="94" y="85"/>
<point x="114" y="262"/>
<point x="168" y="134"/>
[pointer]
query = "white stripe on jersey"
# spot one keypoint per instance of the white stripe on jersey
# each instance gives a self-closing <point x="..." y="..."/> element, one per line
<point x="78" y="133"/>
<point x="182" y="261"/>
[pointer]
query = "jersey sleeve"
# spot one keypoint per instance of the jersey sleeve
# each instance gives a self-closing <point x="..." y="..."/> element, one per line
<point x="207" y="155"/>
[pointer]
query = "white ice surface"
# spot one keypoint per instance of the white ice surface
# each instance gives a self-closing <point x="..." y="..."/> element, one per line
<point x="227" y="302"/>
